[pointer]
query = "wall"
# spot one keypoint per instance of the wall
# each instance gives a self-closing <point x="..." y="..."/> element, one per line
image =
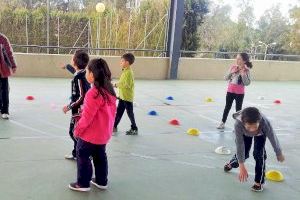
<point x="42" y="65"/>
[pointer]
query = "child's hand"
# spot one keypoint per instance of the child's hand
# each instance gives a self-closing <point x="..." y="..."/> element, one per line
<point x="280" y="158"/>
<point x="243" y="175"/>
<point x="234" y="69"/>
<point x="62" y="66"/>
<point x="65" y="109"/>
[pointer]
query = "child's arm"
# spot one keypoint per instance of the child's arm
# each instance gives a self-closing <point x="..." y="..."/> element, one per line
<point x="90" y="108"/>
<point x="240" y="151"/>
<point x="79" y="101"/>
<point x="230" y="72"/>
<point x="245" y="74"/>
<point x="9" y="51"/>
<point x="268" y="130"/>
<point x="70" y="68"/>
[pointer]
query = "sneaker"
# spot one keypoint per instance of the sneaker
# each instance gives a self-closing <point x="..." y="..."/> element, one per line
<point x="221" y="126"/>
<point x="76" y="187"/>
<point x="132" y="132"/>
<point x="115" y="130"/>
<point x="102" y="187"/>
<point x="5" y="116"/>
<point x="227" y="167"/>
<point x="257" y="188"/>
<point x="70" y="157"/>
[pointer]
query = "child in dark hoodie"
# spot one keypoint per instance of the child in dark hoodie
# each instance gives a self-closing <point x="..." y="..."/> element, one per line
<point x="250" y="123"/>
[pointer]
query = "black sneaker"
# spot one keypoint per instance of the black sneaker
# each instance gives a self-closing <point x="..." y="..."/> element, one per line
<point x="76" y="187"/>
<point x="115" y="130"/>
<point x="257" y="188"/>
<point x="227" y="167"/>
<point x="102" y="187"/>
<point x="132" y="132"/>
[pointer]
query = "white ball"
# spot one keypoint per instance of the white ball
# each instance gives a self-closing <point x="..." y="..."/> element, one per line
<point x="100" y="7"/>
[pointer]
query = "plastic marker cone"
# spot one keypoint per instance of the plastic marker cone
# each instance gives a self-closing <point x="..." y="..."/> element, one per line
<point x="174" y="122"/>
<point x="274" y="175"/>
<point x="170" y="98"/>
<point x="277" y="101"/>
<point x="209" y="99"/>
<point x="223" y="150"/>
<point x="152" y="113"/>
<point x="193" y="131"/>
<point x="30" y="98"/>
<point x="261" y="98"/>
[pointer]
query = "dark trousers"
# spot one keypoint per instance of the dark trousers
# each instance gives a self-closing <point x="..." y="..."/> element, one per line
<point x="230" y="97"/>
<point x="120" y="111"/>
<point x="4" y="95"/>
<point x="259" y="154"/>
<point x="85" y="151"/>
<point x="71" y="133"/>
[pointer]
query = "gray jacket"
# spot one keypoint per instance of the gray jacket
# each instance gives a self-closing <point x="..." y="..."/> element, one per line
<point x="234" y="78"/>
<point x="265" y="128"/>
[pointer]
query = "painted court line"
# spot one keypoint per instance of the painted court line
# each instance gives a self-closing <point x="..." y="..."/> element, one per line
<point x="257" y="105"/>
<point x="30" y="128"/>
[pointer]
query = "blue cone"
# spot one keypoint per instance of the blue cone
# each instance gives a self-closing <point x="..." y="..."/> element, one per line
<point x="152" y="112"/>
<point x="170" y="98"/>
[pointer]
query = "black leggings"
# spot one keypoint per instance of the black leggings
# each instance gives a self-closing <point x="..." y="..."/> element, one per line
<point x="230" y="97"/>
<point x="4" y="95"/>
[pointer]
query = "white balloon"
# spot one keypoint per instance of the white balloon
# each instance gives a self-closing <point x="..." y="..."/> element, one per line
<point x="100" y="7"/>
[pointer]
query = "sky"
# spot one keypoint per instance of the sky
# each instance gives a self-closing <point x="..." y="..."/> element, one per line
<point x="260" y="6"/>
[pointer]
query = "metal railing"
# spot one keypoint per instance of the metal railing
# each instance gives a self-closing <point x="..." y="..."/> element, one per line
<point x="153" y="52"/>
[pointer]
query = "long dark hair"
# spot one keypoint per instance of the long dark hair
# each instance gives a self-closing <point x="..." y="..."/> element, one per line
<point x="246" y="59"/>
<point x="102" y="76"/>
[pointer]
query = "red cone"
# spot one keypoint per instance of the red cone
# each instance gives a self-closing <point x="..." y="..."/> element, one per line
<point x="174" y="122"/>
<point x="29" y="98"/>
<point x="277" y="101"/>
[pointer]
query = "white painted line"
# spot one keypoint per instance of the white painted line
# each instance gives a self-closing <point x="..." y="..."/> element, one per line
<point x="37" y="137"/>
<point x="53" y="125"/>
<point x="143" y="156"/>
<point x="30" y="128"/>
<point x="258" y="105"/>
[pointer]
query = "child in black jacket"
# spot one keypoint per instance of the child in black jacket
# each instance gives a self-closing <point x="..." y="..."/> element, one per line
<point x="80" y="86"/>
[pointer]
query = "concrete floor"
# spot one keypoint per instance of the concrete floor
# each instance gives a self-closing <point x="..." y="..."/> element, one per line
<point x="162" y="162"/>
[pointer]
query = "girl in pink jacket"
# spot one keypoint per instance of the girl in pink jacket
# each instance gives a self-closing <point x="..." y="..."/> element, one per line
<point x="94" y="128"/>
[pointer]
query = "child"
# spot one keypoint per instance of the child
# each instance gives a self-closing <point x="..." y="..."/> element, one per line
<point x="95" y="127"/>
<point x="80" y="86"/>
<point x="7" y="67"/>
<point x="250" y="123"/>
<point x="126" y="94"/>
<point x="238" y="77"/>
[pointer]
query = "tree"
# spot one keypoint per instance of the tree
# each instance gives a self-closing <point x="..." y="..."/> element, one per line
<point x="294" y="36"/>
<point x="195" y="10"/>
<point x="274" y="28"/>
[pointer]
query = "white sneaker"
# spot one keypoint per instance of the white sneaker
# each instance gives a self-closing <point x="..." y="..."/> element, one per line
<point x="102" y="187"/>
<point x="70" y="157"/>
<point x="221" y="126"/>
<point x="5" y="116"/>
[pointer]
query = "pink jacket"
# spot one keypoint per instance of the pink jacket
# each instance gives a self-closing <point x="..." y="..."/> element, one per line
<point x="7" y="60"/>
<point x="97" y="119"/>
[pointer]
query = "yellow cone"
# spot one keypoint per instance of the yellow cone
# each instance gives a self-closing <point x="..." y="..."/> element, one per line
<point x="274" y="175"/>
<point x="208" y="99"/>
<point x="193" y="131"/>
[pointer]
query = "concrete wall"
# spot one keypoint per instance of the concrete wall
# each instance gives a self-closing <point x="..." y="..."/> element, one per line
<point x="41" y="65"/>
<point x="214" y="69"/>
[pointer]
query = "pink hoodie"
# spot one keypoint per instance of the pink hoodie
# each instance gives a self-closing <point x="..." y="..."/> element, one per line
<point x="97" y="118"/>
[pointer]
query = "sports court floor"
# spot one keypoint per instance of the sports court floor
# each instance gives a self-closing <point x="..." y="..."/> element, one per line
<point x="163" y="162"/>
